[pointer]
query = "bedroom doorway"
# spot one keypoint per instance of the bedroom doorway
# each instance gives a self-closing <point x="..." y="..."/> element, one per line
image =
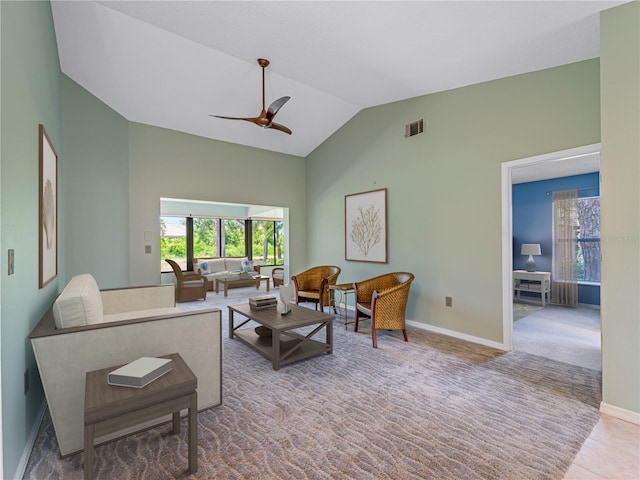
<point x="531" y="333"/>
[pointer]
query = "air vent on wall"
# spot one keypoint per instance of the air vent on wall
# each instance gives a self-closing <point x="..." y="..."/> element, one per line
<point x="414" y="128"/>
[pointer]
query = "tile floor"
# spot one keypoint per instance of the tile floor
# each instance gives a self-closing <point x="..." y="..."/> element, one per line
<point x="611" y="452"/>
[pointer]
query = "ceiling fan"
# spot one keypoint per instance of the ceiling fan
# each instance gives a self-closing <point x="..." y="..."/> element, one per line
<point x="265" y="119"/>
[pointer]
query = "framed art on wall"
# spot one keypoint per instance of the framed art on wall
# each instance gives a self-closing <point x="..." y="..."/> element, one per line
<point x="48" y="209"/>
<point x="365" y="226"/>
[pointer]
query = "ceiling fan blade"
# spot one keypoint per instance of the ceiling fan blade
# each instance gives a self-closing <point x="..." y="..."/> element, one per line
<point x="275" y="106"/>
<point x="265" y="119"/>
<point x="256" y="120"/>
<point x="277" y="126"/>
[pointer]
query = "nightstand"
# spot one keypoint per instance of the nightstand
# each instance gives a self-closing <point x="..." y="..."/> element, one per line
<point x="536" y="282"/>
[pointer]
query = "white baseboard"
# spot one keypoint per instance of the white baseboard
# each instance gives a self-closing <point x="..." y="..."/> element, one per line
<point x="452" y="333"/>
<point x="621" y="413"/>
<point x="24" y="459"/>
<point x="461" y="336"/>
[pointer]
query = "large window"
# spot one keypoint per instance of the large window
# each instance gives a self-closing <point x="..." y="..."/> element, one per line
<point x="588" y="249"/>
<point x="233" y="238"/>
<point x="185" y="238"/>
<point x="268" y="242"/>
<point x="173" y="242"/>
<point x="205" y="237"/>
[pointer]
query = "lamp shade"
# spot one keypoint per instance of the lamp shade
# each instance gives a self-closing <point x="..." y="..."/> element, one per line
<point x="530" y="249"/>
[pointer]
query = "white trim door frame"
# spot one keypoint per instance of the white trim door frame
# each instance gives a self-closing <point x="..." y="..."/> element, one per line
<point x="507" y="227"/>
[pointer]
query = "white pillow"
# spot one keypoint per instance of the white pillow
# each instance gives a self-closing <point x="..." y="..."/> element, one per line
<point x="80" y="303"/>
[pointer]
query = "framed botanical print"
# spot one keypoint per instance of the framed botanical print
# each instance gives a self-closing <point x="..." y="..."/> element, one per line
<point x="48" y="210"/>
<point x="365" y="226"/>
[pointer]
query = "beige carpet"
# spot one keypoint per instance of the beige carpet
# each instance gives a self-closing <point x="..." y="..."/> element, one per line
<point x="432" y="408"/>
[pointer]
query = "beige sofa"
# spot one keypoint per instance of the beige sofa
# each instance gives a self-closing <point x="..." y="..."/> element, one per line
<point x="222" y="268"/>
<point x="87" y="329"/>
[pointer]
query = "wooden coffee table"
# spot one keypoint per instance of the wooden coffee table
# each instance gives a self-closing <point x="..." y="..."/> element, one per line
<point x="243" y="282"/>
<point x="109" y="408"/>
<point x="284" y="345"/>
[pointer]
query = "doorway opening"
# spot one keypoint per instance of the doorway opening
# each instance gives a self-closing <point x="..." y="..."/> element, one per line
<point x="542" y="333"/>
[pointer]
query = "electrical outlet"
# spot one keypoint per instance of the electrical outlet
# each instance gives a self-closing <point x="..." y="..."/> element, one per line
<point x="448" y="301"/>
<point x="147" y="249"/>
<point x="26" y="381"/>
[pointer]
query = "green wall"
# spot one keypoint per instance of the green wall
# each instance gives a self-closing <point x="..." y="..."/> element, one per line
<point x="443" y="186"/>
<point x="169" y="164"/>
<point x="444" y="203"/>
<point x="95" y="188"/>
<point x="620" y="225"/>
<point x="30" y="95"/>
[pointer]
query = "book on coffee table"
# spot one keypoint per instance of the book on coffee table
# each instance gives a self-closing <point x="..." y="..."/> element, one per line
<point x="259" y="302"/>
<point x="140" y="372"/>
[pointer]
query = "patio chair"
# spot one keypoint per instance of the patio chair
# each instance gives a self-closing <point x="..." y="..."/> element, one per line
<point x="383" y="299"/>
<point x="277" y="276"/>
<point x="189" y="286"/>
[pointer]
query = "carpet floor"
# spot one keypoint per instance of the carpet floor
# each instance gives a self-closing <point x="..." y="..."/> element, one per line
<point x="566" y="334"/>
<point x="432" y="408"/>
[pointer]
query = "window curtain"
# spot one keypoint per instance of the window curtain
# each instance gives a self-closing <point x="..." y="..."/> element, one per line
<point x="564" y="284"/>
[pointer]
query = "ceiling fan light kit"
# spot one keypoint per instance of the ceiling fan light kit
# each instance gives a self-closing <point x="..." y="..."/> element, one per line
<point x="265" y="119"/>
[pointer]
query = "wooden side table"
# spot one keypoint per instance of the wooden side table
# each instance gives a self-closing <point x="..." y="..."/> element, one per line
<point x="109" y="408"/>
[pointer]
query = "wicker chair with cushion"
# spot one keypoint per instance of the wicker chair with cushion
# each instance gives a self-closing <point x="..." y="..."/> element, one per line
<point x="312" y="285"/>
<point x="190" y="286"/>
<point x="384" y="300"/>
<point x="277" y="276"/>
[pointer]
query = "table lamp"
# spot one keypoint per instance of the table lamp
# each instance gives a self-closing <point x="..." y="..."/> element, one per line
<point x="530" y="249"/>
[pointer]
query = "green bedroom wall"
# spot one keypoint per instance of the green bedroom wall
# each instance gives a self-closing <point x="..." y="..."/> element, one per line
<point x="166" y="163"/>
<point x="30" y="95"/>
<point x="444" y="210"/>
<point x="620" y="226"/>
<point x="95" y="188"/>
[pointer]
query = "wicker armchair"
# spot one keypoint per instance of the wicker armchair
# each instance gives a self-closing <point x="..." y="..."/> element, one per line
<point x="384" y="300"/>
<point x="190" y="286"/>
<point x="312" y="285"/>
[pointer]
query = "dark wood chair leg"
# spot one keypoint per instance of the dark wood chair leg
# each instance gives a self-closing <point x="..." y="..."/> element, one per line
<point x="404" y="332"/>
<point x="355" y="325"/>
<point x="374" y="334"/>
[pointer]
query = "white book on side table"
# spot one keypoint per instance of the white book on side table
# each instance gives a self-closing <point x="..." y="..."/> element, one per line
<point x="140" y="372"/>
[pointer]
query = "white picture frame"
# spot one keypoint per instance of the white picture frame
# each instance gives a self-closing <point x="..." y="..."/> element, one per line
<point x="48" y="209"/>
<point x="365" y="226"/>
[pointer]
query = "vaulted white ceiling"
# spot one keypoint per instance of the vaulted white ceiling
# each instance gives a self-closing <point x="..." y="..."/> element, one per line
<point x="173" y="63"/>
